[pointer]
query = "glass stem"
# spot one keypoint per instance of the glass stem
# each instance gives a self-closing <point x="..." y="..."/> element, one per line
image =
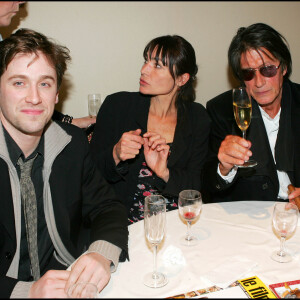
<point x="281" y="251"/>
<point x="154" y="275"/>
<point x="188" y="237"/>
<point x="244" y="134"/>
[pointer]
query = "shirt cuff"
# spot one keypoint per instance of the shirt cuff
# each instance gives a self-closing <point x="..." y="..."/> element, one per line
<point x="230" y="176"/>
<point x="108" y="250"/>
<point x="21" y="289"/>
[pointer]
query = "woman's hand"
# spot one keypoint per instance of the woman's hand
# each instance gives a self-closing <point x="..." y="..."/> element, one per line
<point x="128" y="146"/>
<point x="156" y="153"/>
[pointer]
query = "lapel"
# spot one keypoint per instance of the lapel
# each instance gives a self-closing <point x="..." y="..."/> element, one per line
<point x="284" y="148"/>
<point x="295" y="134"/>
<point x="7" y="207"/>
<point x="141" y="113"/>
<point x="182" y="132"/>
<point x="260" y="148"/>
<point x="7" y="216"/>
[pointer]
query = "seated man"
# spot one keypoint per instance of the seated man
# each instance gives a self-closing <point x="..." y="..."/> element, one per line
<point x="55" y="205"/>
<point x="260" y="59"/>
<point x="8" y="9"/>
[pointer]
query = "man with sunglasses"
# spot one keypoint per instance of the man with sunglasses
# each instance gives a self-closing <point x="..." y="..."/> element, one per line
<point x="260" y="59"/>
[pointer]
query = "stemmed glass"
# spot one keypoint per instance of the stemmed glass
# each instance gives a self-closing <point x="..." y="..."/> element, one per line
<point x="94" y="103"/>
<point x="189" y="204"/>
<point x="242" y="109"/>
<point x="285" y="219"/>
<point x="155" y="222"/>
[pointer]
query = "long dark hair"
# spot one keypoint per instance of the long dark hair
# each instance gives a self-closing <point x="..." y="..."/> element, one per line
<point x="258" y="36"/>
<point x="179" y="55"/>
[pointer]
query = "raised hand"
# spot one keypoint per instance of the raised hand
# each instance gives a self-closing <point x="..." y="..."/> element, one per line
<point x="156" y="153"/>
<point x="233" y="150"/>
<point x="128" y="146"/>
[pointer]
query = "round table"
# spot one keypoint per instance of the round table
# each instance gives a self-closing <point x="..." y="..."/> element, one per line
<point x="225" y="230"/>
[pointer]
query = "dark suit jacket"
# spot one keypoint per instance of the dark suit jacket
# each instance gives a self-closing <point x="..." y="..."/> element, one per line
<point x="260" y="182"/>
<point x="82" y="202"/>
<point x="125" y="111"/>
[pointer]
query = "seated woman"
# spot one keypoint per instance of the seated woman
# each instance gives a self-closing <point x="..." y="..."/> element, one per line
<point x="154" y="140"/>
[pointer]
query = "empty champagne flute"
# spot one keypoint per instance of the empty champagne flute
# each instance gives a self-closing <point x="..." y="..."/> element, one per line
<point x="242" y="109"/>
<point x="155" y="222"/>
<point x="94" y="103"/>
<point x="285" y="219"/>
<point x="189" y="204"/>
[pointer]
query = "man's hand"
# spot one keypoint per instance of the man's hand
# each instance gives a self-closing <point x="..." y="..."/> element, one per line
<point x="51" y="285"/>
<point x="128" y="146"/>
<point x="233" y="150"/>
<point x="90" y="267"/>
<point x="84" y="122"/>
<point x="156" y="154"/>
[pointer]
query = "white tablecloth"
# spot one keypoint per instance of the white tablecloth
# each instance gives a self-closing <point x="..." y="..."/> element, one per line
<point x="225" y="230"/>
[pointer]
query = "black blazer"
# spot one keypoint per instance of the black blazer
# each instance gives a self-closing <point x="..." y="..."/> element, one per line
<point x="82" y="202"/>
<point x="260" y="182"/>
<point x="125" y="111"/>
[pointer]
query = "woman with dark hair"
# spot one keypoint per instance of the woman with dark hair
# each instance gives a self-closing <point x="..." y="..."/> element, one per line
<point x="154" y="141"/>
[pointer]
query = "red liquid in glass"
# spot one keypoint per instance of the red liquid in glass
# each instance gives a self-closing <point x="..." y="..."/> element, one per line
<point x="189" y="216"/>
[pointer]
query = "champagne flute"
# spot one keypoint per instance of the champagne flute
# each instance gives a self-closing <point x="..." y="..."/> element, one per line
<point x="189" y="204"/>
<point x="285" y="219"/>
<point x="242" y="109"/>
<point x="94" y="103"/>
<point x="155" y="222"/>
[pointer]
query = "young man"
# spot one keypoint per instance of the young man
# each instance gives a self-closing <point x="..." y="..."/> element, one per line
<point x="63" y="206"/>
<point x="260" y="59"/>
<point x="8" y="9"/>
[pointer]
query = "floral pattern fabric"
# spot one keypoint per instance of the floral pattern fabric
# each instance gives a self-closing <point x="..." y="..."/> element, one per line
<point x="145" y="188"/>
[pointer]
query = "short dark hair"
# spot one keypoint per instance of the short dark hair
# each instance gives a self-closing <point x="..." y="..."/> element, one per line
<point x="258" y="36"/>
<point x="29" y="41"/>
<point x="179" y="55"/>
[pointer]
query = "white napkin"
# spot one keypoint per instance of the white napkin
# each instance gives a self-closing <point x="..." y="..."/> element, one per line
<point x="173" y="256"/>
<point x="233" y="269"/>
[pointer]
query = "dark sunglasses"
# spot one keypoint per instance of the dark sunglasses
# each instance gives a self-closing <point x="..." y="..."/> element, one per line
<point x="266" y="71"/>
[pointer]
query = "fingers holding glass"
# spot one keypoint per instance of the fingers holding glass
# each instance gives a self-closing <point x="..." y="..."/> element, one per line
<point x="83" y="290"/>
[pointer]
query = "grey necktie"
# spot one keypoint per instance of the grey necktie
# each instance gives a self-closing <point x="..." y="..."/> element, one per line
<point x="30" y="214"/>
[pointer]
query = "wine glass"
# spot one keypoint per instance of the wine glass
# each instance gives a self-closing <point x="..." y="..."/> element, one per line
<point x="155" y="222"/>
<point x="285" y="219"/>
<point x="94" y="103"/>
<point x="83" y="290"/>
<point x="242" y="109"/>
<point x="189" y="204"/>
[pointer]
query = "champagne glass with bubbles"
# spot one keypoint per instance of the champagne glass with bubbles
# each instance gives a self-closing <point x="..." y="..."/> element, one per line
<point x="285" y="219"/>
<point x="155" y="222"/>
<point x="242" y="109"/>
<point x="189" y="204"/>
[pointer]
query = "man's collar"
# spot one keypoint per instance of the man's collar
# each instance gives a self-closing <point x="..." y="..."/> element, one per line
<point x="14" y="150"/>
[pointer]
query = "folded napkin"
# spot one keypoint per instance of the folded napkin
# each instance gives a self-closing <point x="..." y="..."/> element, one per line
<point x="173" y="256"/>
<point x="233" y="269"/>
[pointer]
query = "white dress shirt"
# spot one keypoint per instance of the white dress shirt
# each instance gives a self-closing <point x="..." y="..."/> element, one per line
<point x="272" y="127"/>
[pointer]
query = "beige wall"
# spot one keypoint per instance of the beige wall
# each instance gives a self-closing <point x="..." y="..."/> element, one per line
<point x="107" y="39"/>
